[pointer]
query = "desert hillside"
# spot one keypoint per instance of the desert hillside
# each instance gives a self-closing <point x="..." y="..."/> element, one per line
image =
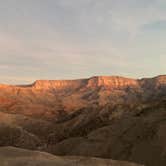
<point x="106" y="117"/>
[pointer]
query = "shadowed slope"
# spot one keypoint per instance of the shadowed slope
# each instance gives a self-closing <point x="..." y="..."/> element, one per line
<point x="10" y="156"/>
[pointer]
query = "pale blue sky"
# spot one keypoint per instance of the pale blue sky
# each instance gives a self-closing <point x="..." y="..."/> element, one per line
<point x="68" y="39"/>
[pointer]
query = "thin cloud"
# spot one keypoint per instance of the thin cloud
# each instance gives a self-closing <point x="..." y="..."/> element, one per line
<point x="70" y="39"/>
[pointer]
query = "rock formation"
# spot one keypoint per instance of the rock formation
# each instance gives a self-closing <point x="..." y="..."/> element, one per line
<point x="107" y="117"/>
<point x="47" y="99"/>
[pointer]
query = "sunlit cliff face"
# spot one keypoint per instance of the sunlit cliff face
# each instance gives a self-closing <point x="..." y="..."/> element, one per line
<point x="114" y="82"/>
<point x="105" y="81"/>
<point x="98" y="81"/>
<point x="46" y="97"/>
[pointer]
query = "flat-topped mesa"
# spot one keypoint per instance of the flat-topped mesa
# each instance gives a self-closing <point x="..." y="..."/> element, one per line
<point x="112" y="82"/>
<point x="93" y="82"/>
<point x="59" y="84"/>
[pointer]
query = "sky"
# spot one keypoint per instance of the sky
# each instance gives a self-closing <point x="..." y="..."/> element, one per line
<point x="70" y="39"/>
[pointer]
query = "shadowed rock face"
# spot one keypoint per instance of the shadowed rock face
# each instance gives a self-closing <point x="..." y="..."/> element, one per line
<point x="10" y="156"/>
<point x="107" y="117"/>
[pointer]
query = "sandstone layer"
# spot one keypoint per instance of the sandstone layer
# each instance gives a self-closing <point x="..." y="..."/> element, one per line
<point x="51" y="99"/>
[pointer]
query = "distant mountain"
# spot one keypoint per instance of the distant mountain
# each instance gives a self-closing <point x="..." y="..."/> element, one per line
<point x="107" y="116"/>
<point x="49" y="99"/>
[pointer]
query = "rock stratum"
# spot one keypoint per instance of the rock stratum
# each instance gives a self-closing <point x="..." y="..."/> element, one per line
<point x="108" y="117"/>
<point x="49" y="98"/>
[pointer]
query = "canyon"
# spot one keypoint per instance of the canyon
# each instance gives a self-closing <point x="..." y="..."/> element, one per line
<point x="107" y="117"/>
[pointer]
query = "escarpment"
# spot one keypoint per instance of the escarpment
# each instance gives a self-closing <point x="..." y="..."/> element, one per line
<point x="47" y="98"/>
<point x="93" y="82"/>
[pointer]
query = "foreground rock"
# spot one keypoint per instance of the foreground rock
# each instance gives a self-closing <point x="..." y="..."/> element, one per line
<point x="24" y="132"/>
<point x="10" y="156"/>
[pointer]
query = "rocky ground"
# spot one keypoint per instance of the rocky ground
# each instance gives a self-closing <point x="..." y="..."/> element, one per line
<point x="106" y="117"/>
<point x="10" y="156"/>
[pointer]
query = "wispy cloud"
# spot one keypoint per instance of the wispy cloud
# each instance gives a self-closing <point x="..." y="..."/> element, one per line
<point x="78" y="38"/>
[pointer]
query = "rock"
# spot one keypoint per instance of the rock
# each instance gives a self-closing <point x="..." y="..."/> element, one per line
<point x="107" y="117"/>
<point x="16" y="136"/>
<point x="139" y="138"/>
<point x="10" y="156"/>
<point x="52" y="99"/>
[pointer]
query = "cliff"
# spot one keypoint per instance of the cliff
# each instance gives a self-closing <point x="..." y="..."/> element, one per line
<point x="93" y="82"/>
<point x="103" y="116"/>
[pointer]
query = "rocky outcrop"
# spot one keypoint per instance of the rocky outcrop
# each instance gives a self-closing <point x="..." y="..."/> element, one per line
<point x="50" y="99"/>
<point x="10" y="156"/>
<point x="59" y="85"/>
<point x="111" y="82"/>
<point x="16" y="136"/>
<point x="93" y="82"/>
<point x="25" y="132"/>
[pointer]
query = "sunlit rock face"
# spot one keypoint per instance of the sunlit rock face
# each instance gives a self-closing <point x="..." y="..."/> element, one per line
<point x="47" y="98"/>
<point x="94" y="82"/>
<point x="59" y="85"/>
<point x="111" y="82"/>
